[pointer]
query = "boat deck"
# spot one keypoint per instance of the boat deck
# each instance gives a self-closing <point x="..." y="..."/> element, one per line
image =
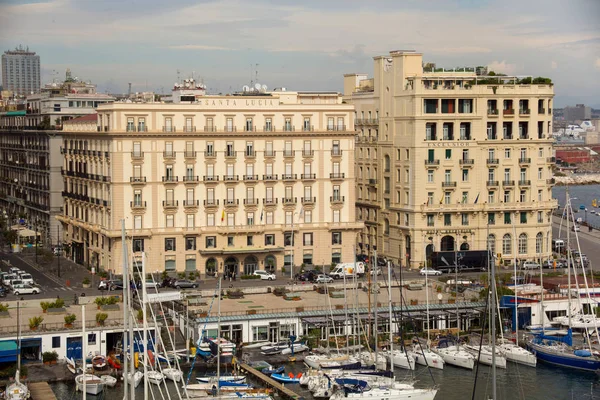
<point x="41" y="391"/>
<point x="268" y="381"/>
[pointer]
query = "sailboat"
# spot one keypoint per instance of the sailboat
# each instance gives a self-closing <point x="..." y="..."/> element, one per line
<point x="560" y="350"/>
<point x="84" y="382"/>
<point x="17" y="390"/>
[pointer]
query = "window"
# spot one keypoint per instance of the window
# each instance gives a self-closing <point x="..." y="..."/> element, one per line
<point x="492" y="243"/>
<point x="249" y="240"/>
<point x="137" y="198"/>
<point x="540" y="217"/>
<point x="137" y="222"/>
<point x="465" y="197"/>
<point x="269" y="217"/>
<point x="430" y="176"/>
<point x="491" y="197"/>
<point x="307" y="216"/>
<point x="190" y="243"/>
<point x="169" y="244"/>
<point x="211" y="242"/>
<point x="506" y="244"/>
<point x="288" y="125"/>
<point x="523" y="196"/>
<point x="268" y="124"/>
<point x="523" y="217"/>
<point x="336" y="238"/>
<point x="91" y="338"/>
<point x="306" y="124"/>
<point x="430" y="198"/>
<point x="55" y="342"/>
<point x="491" y="218"/>
<point x="447" y="219"/>
<point x="336" y="216"/>
<point x="539" y="243"/>
<point x="491" y="175"/>
<point x="447" y="198"/>
<point x="523" y="243"/>
<point x="210" y="149"/>
<point x="430" y="220"/>
<point x="230" y="219"/>
<point x="250" y="219"/>
<point x="288" y="239"/>
<point x="249" y="125"/>
<point x="506" y="174"/>
<point x="507" y="196"/>
<point x="169" y="221"/>
<point x="138" y="245"/>
<point x="465" y="219"/>
<point x="465" y="175"/>
<point x="307" y="239"/>
<point x="269" y="240"/>
<point x="191" y="220"/>
<point x="507" y="153"/>
<point x="448" y="154"/>
<point x="507" y="218"/>
<point x="540" y="195"/>
<point x="541" y="152"/>
<point x="230" y="241"/>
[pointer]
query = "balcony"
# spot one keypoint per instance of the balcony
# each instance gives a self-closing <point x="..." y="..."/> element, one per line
<point x="336" y="152"/>
<point x="492" y="183"/>
<point x="508" y="183"/>
<point x="210" y="128"/>
<point x="210" y="154"/>
<point x="230" y="154"/>
<point x="308" y="177"/>
<point x="137" y="155"/>
<point x="231" y="202"/>
<point x="170" y="179"/>
<point x="250" y="178"/>
<point x="229" y="128"/>
<point x="269" y="153"/>
<point x="524" y="112"/>
<point x="169" y="154"/>
<point x="367" y="121"/>
<point x="308" y="200"/>
<point x="189" y="129"/>
<point x="524" y="160"/>
<point x="432" y="162"/>
<point x="551" y="160"/>
<point x="189" y="154"/>
<point x="270" y="177"/>
<point x="308" y="153"/>
<point x="308" y="128"/>
<point x="337" y="199"/>
<point x="137" y="179"/>
<point x="492" y="161"/>
<point x="492" y="112"/>
<point x="551" y="181"/>
<point x="211" y="203"/>
<point x="191" y="179"/>
<point x="336" y="127"/>
<point x="191" y="203"/>
<point x="250" y="154"/>
<point x="467" y="162"/>
<point x="231" y="178"/>
<point x="270" y="201"/>
<point x="289" y="177"/>
<point x="170" y="203"/>
<point x="210" y="178"/>
<point x="508" y="112"/>
<point x="250" y="202"/>
<point x="337" y="175"/>
<point x="288" y="128"/>
<point x="448" y="184"/>
<point x="541" y="111"/>
<point x="288" y="153"/>
<point x="524" y="182"/>
<point x="169" y="129"/>
<point x="289" y="200"/>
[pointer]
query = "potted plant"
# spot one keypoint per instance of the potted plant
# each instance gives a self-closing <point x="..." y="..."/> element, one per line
<point x="4" y="310"/>
<point x="49" y="357"/>
<point x="86" y="283"/>
<point x="69" y="319"/>
<point x="279" y="291"/>
<point x="44" y="305"/>
<point x="35" y="322"/>
<point x="101" y="318"/>
<point x="235" y="294"/>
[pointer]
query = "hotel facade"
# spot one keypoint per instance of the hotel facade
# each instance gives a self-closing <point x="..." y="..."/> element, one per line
<point x="226" y="184"/>
<point x="451" y="160"/>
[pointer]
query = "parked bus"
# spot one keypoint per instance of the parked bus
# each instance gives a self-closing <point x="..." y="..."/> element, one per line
<point x="471" y="260"/>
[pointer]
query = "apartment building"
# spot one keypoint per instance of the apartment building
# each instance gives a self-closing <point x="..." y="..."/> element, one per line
<point x="21" y="71"/>
<point x="451" y="159"/>
<point x="219" y="184"/>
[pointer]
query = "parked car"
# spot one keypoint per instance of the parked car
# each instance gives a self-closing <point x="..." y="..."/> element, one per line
<point x="322" y="278"/>
<point x="184" y="284"/>
<point x="25" y="289"/>
<point x="14" y="270"/>
<point x="530" y="265"/>
<point x="7" y="278"/>
<point x="115" y="285"/>
<point x="381" y="262"/>
<point x="576" y="228"/>
<point x="169" y="282"/>
<point x="104" y="284"/>
<point x="15" y="282"/>
<point x="2" y="292"/>
<point x="429" y="271"/>
<point x="264" y="275"/>
<point x="307" y="276"/>
<point x="150" y="284"/>
<point x="27" y="279"/>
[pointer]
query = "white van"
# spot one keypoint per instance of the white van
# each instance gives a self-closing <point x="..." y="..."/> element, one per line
<point x="27" y="279"/>
<point x="530" y="265"/>
<point x="348" y="270"/>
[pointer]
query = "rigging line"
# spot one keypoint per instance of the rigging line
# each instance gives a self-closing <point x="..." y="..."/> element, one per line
<point x="487" y="300"/>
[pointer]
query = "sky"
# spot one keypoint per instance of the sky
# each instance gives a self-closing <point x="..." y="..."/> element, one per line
<point x="303" y="44"/>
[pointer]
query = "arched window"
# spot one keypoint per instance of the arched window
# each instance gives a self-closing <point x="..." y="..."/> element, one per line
<point x="492" y="243"/>
<point x="523" y="243"/>
<point x="387" y="163"/>
<point x="386" y="226"/>
<point x="539" y="243"/>
<point x="506" y="244"/>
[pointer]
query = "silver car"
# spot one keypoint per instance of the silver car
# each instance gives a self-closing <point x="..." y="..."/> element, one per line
<point x="322" y="278"/>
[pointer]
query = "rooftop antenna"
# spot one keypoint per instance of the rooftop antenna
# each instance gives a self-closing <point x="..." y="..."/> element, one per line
<point x="256" y="73"/>
<point x="178" y="76"/>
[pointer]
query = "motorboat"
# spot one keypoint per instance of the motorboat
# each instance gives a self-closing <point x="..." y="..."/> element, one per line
<point x="71" y="365"/>
<point x="136" y="379"/>
<point x="562" y="353"/>
<point x="276" y="345"/>
<point x="99" y="362"/>
<point x="256" y="345"/>
<point x="108" y="380"/>
<point x="315" y="360"/>
<point x="270" y="351"/>
<point x="260" y="365"/>
<point x="517" y="354"/>
<point x="387" y="394"/>
<point x="17" y="390"/>
<point x="222" y="378"/>
<point x="424" y="356"/>
<point x="297" y="348"/>
<point x="270" y="371"/>
<point x="290" y="378"/>
<point x="93" y="384"/>
<point x="453" y="354"/>
<point x="173" y="374"/>
<point x="200" y="391"/>
<point x="402" y="359"/>
<point x="154" y="377"/>
<point x="484" y="354"/>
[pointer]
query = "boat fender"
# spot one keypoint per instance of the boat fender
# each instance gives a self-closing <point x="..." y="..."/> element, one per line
<point x="299" y="375"/>
<point x="582" y="353"/>
<point x="291" y="375"/>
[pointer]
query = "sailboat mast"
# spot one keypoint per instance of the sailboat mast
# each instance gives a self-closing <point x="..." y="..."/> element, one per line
<point x="375" y="327"/>
<point x="426" y="297"/>
<point x="83" y="350"/>
<point x="19" y="336"/>
<point x="145" y="325"/>
<point x="389" y="271"/>
<point x="569" y="258"/>
<point x="493" y="325"/>
<point x="456" y="283"/>
<point x="219" y="337"/>
<point x="125" y="312"/>
<point x="517" y="281"/>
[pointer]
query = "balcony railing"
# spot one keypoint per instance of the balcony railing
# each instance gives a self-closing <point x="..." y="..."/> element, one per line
<point x="189" y="154"/>
<point x="191" y="203"/>
<point x="551" y="159"/>
<point x="432" y="162"/>
<point x="308" y="128"/>
<point x="270" y="177"/>
<point x="289" y="177"/>
<point x="493" y="161"/>
<point x="335" y="152"/>
<point x="250" y="178"/>
<point x="508" y="183"/>
<point x="492" y="183"/>
<point x="336" y="127"/>
<point x="211" y="178"/>
<point x="230" y="154"/>
<point x="168" y="154"/>
<point x="269" y="153"/>
<point x="136" y="155"/>
<point x="137" y="179"/>
<point x="170" y="179"/>
<point x="189" y="129"/>
<point x="210" y="154"/>
<point x="308" y="200"/>
<point x="308" y="176"/>
<point x="231" y="202"/>
<point x="308" y="153"/>
<point x="288" y="128"/>
<point x="289" y="200"/>
<point x="524" y="111"/>
<point x="492" y="112"/>
<point x="169" y="129"/>
<point x="541" y="111"/>
<point x="231" y="178"/>
<point x="170" y="203"/>
<point x="509" y="111"/>
<point x="466" y="161"/>
<point x="250" y="153"/>
<point x="337" y="175"/>
<point x="524" y="160"/>
<point x="210" y="128"/>
<point x="250" y="202"/>
<point x="288" y="153"/>
<point x="188" y="178"/>
<point x="270" y="201"/>
<point x="449" y="184"/>
<point x="337" y="199"/>
<point x="229" y="129"/>
<point x="211" y="202"/>
<point x="525" y="182"/>
<point x="551" y="181"/>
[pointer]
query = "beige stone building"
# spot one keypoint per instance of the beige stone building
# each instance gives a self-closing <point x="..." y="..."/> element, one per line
<point x="448" y="158"/>
<point x="214" y="183"/>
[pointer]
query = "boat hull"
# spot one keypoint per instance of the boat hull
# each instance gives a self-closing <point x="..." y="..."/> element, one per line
<point x="565" y="360"/>
<point x="429" y="358"/>
<point x="460" y="358"/>
<point x="93" y="385"/>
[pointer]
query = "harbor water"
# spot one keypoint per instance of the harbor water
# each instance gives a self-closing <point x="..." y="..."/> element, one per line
<point x="581" y="196"/>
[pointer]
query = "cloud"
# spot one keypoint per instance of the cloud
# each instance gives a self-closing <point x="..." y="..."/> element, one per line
<point x="197" y="47"/>
<point x="554" y="65"/>
<point x="597" y="63"/>
<point x="503" y="67"/>
<point x="462" y="50"/>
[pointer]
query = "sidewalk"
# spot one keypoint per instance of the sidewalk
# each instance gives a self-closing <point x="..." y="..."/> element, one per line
<point x="71" y="273"/>
<point x="585" y="233"/>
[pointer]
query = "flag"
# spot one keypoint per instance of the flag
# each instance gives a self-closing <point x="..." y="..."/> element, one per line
<point x="302" y="212"/>
<point x="223" y="215"/>
<point x="442" y="198"/>
<point x="476" y="198"/>
<point x="427" y="200"/>
<point x="261" y="214"/>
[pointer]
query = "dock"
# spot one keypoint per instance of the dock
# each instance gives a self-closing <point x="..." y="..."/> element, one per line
<point x="269" y="382"/>
<point x="41" y="391"/>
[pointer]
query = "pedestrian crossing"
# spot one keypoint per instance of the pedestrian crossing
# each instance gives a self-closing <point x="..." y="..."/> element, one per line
<point x="60" y="289"/>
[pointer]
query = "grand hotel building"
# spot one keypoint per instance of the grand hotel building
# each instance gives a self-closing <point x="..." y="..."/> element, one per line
<point x="451" y="159"/>
<point x="214" y="183"/>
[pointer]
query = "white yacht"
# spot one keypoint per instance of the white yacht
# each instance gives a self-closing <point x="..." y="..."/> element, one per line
<point x="485" y="355"/>
<point x="17" y="390"/>
<point x="455" y="355"/>
<point x="93" y="384"/>
<point x="517" y="354"/>
<point x="424" y="356"/>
